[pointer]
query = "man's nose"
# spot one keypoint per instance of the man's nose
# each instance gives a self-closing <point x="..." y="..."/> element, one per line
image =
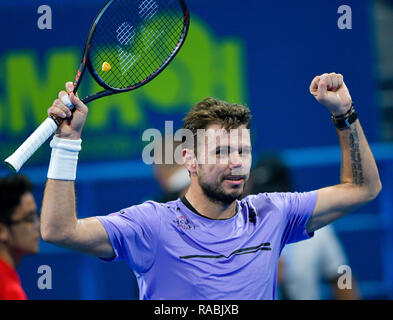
<point x="235" y="160"/>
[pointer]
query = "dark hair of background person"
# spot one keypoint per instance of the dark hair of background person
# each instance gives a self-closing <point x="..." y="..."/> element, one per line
<point x="269" y="175"/>
<point x="12" y="188"/>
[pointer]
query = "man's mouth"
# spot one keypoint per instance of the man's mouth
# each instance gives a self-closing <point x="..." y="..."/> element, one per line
<point x="235" y="179"/>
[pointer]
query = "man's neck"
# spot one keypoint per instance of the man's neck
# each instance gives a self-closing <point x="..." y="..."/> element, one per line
<point x="208" y="208"/>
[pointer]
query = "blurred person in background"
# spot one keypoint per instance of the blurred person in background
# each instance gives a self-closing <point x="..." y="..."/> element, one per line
<point x="304" y="266"/>
<point x="19" y="232"/>
<point x="172" y="177"/>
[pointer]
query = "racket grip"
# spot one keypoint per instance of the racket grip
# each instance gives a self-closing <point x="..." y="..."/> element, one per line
<point x="36" y="140"/>
<point x="31" y="145"/>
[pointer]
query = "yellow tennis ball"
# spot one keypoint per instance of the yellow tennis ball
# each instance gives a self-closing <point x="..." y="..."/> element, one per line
<point x="106" y="66"/>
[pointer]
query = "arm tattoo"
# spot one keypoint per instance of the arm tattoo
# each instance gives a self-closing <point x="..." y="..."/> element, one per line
<point x="357" y="170"/>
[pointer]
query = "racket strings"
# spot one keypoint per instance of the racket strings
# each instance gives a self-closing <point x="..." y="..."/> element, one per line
<point x="107" y="38"/>
<point x="135" y="38"/>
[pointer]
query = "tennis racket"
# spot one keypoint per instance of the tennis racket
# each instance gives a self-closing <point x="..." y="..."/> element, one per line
<point x="129" y="44"/>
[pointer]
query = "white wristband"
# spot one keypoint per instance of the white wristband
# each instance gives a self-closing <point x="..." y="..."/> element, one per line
<point x="64" y="159"/>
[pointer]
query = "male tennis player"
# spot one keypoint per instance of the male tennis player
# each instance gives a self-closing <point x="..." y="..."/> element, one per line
<point x="209" y="244"/>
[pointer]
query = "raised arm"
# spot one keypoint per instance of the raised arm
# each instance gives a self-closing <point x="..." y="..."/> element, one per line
<point x="59" y="222"/>
<point x="360" y="181"/>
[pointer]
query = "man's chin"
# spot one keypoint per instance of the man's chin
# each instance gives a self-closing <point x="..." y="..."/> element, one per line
<point x="235" y="191"/>
<point x="226" y="193"/>
<point x="234" y="195"/>
<point x="225" y="198"/>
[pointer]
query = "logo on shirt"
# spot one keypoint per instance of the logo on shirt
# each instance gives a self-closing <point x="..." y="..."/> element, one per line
<point x="262" y="247"/>
<point x="183" y="223"/>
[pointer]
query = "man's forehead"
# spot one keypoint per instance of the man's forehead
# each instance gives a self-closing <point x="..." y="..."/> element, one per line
<point x="222" y="136"/>
<point x="217" y="130"/>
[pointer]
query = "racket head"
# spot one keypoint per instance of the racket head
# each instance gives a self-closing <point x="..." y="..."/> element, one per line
<point x="132" y="41"/>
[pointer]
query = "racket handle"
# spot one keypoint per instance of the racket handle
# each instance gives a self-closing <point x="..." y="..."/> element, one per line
<point x="31" y="145"/>
<point x="36" y="140"/>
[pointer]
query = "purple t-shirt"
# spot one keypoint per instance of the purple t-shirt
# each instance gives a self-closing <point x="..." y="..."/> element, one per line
<point x="178" y="254"/>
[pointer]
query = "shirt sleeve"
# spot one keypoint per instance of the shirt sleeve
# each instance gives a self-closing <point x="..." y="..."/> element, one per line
<point x="297" y="208"/>
<point x="133" y="233"/>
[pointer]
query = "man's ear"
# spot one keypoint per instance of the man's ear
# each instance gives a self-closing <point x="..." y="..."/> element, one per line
<point x="4" y="232"/>
<point x="189" y="160"/>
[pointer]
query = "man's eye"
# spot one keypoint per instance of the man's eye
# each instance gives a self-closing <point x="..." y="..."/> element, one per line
<point x="222" y="151"/>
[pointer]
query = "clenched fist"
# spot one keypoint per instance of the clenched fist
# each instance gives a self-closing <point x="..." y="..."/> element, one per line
<point x="330" y="90"/>
<point x="72" y="125"/>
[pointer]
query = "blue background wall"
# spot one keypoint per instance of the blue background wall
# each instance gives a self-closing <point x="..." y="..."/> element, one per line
<point x="262" y="53"/>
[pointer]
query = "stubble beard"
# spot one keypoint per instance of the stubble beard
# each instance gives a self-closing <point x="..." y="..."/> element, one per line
<point x="217" y="194"/>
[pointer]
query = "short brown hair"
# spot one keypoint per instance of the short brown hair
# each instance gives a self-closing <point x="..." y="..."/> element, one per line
<point x="213" y="111"/>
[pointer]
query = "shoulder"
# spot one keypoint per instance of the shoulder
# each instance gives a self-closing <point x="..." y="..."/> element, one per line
<point x="145" y="207"/>
<point x="262" y="200"/>
<point x="261" y="205"/>
<point x="148" y="210"/>
<point x="283" y="201"/>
